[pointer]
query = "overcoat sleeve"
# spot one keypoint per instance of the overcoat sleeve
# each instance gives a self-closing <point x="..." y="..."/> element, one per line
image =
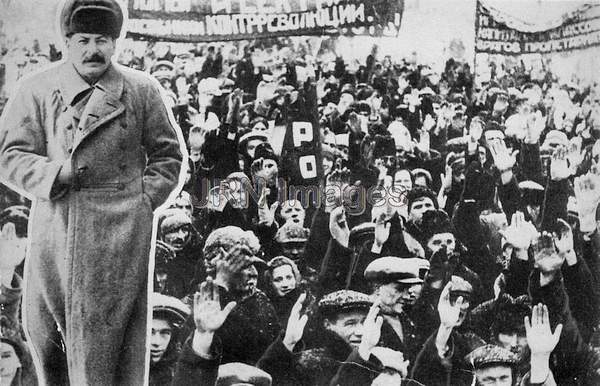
<point x="23" y="155"/>
<point x="162" y="148"/>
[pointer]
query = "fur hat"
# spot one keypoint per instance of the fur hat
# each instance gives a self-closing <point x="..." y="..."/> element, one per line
<point x="383" y="146"/>
<point x="435" y="222"/>
<point x="419" y="192"/>
<point x="103" y="17"/>
<point x="175" y="219"/>
<point x="264" y="150"/>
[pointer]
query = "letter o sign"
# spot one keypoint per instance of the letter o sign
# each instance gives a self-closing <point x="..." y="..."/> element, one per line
<point x="308" y="166"/>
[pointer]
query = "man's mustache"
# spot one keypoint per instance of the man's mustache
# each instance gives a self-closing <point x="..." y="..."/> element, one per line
<point x="96" y="58"/>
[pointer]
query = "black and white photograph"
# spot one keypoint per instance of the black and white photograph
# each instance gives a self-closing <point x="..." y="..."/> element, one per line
<point x="299" y="192"/>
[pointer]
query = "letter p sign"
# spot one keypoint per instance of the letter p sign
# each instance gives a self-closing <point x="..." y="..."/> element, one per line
<point x="302" y="132"/>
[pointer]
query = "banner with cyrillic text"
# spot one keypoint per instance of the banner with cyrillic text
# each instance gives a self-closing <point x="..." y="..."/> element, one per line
<point x="221" y="20"/>
<point x="579" y="29"/>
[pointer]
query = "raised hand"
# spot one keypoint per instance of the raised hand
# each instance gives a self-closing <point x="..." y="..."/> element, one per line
<point x="295" y="325"/>
<point x="12" y="248"/>
<point x="587" y="195"/>
<point x="383" y="170"/>
<point x="541" y="343"/>
<point x="208" y="315"/>
<point x="371" y="331"/>
<point x="424" y="142"/>
<point x="503" y="159"/>
<point x="475" y="130"/>
<point x="535" y="126"/>
<point x="382" y="230"/>
<point x="546" y="257"/>
<point x="446" y="178"/>
<point x="575" y="155"/>
<point x="563" y="241"/>
<point x="449" y="313"/>
<point x="354" y="123"/>
<point x="428" y="123"/>
<point x="230" y="263"/>
<point x="520" y="233"/>
<point x="338" y="227"/>
<point x="266" y="214"/>
<point x="559" y="166"/>
<point x="540" y="338"/>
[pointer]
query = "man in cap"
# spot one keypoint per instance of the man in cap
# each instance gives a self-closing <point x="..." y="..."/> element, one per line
<point x="230" y="255"/>
<point x="499" y="366"/>
<point x="337" y="332"/>
<point x="93" y="144"/>
<point x="168" y="316"/>
<point x="178" y="232"/>
<point x="397" y="286"/>
<point x="441" y="360"/>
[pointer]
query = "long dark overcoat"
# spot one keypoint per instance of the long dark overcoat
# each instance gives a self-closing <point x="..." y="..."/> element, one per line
<point x="87" y="267"/>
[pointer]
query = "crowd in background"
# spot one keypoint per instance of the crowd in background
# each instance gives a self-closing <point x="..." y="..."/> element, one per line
<point x="475" y="257"/>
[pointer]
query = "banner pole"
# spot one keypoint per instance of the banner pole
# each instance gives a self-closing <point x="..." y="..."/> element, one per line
<point x="475" y="42"/>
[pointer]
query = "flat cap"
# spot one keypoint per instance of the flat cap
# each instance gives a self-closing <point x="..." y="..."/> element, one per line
<point x="292" y="233"/>
<point x="172" y="308"/>
<point x="491" y="355"/>
<point x="344" y="300"/>
<point x="393" y="269"/>
<point x="174" y="219"/>
<point x="103" y="17"/>
<point x="237" y="373"/>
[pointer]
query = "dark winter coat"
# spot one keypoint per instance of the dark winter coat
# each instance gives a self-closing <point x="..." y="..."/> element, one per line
<point x="314" y="366"/>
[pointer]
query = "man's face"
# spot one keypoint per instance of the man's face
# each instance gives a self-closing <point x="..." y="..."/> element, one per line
<point x="293" y="250"/>
<point x="9" y="361"/>
<point x="402" y="180"/>
<point x="442" y="239"/>
<point x="159" y="341"/>
<point x="389" y="161"/>
<point x="348" y="326"/>
<point x="246" y="279"/>
<point x="293" y="211"/>
<point x="251" y="147"/>
<point x="515" y="342"/>
<point x="395" y="296"/>
<point x="284" y="280"/>
<point x="184" y="204"/>
<point x="418" y="207"/>
<point x="90" y="54"/>
<point x="494" y="376"/>
<point x="178" y="238"/>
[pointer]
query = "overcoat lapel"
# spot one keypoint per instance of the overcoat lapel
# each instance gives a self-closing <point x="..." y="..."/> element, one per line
<point x="103" y="104"/>
<point x="100" y="109"/>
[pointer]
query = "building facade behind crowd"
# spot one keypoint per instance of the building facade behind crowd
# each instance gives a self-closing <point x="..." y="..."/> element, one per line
<point x="456" y="240"/>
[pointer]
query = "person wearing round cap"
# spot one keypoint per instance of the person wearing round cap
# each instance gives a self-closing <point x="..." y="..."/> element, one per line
<point x="92" y="143"/>
<point x="312" y="355"/>
<point x="168" y="316"/>
<point x="397" y="284"/>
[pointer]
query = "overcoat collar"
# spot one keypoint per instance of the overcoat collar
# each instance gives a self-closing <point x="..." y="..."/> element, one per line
<point x="104" y="103"/>
<point x="71" y="83"/>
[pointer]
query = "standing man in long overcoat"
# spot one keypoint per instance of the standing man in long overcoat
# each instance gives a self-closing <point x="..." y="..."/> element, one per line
<point x="92" y="143"/>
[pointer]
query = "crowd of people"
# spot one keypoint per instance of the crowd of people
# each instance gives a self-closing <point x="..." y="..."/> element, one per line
<point x="455" y="241"/>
